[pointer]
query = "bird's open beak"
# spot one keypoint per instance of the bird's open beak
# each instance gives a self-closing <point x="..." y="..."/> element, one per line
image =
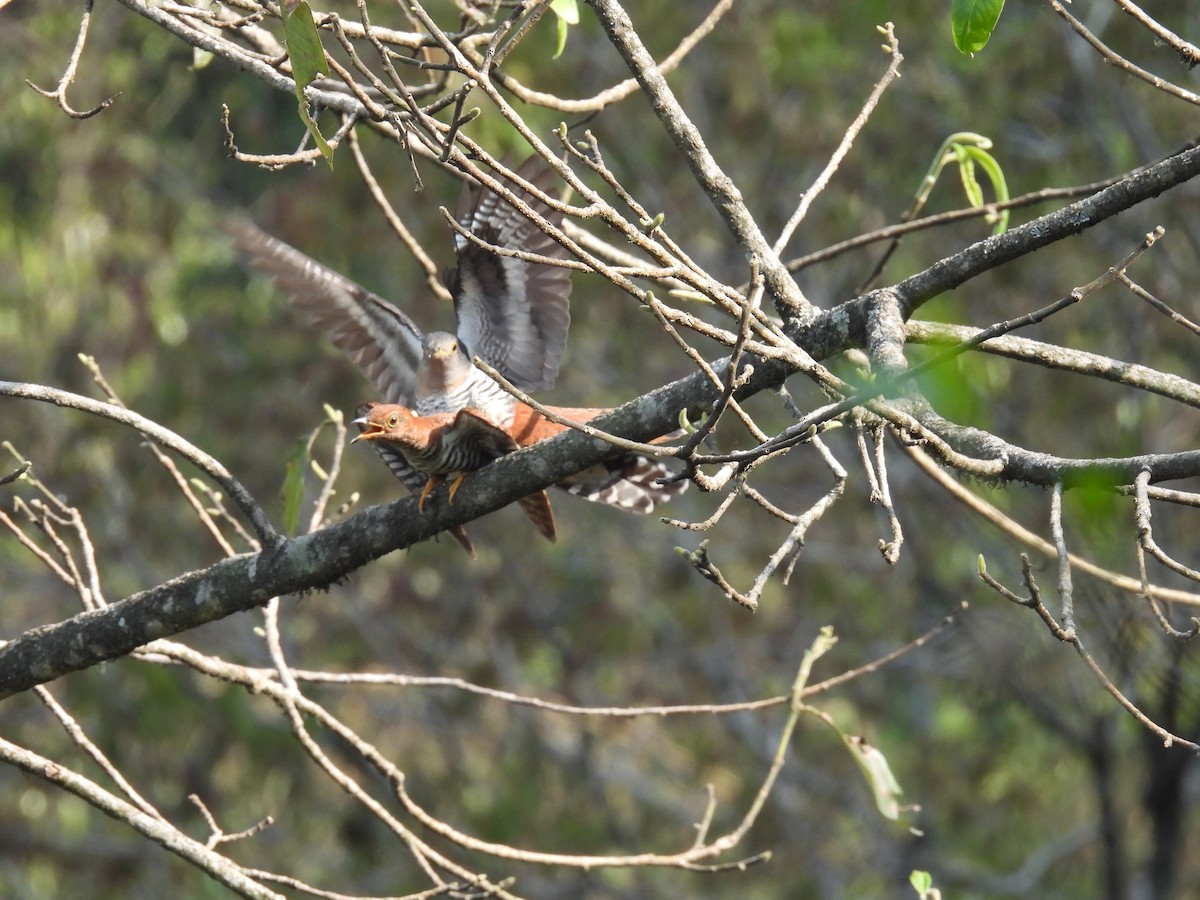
<point x="369" y="430"/>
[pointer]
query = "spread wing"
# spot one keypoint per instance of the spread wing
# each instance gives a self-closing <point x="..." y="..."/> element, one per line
<point x="513" y="314"/>
<point x="383" y="342"/>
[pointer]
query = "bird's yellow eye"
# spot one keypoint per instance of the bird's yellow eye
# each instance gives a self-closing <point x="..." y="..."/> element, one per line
<point x="393" y="420"/>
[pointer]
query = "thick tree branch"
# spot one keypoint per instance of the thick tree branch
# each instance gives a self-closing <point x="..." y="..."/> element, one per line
<point x="320" y="559"/>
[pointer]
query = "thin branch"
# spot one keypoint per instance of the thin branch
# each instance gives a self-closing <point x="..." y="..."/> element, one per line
<point x="59" y="94"/>
<point x="1168" y="738"/>
<point x="167" y="463"/>
<point x="736" y="376"/>
<point x="898" y="230"/>
<point x="994" y="251"/>
<point x="328" y="476"/>
<point x="1188" y="52"/>
<point x="16" y="473"/>
<point x="1076" y="295"/>
<point x="86" y="744"/>
<point x="432" y="276"/>
<point x="170" y="838"/>
<point x="1064" y="359"/>
<point x="687" y="859"/>
<point x="1146" y="544"/>
<point x="278" y="161"/>
<point x="219" y="836"/>
<point x="626" y="88"/>
<point x="1118" y="61"/>
<point x="167" y="438"/>
<point x="892" y="47"/>
<point x="1142" y="294"/>
<point x="720" y="189"/>
<point x="991" y="514"/>
<point x="875" y="665"/>
<point x="882" y="494"/>
<point x="458" y="890"/>
<point x="43" y="515"/>
<point x="291" y="700"/>
<point x="1065" y="590"/>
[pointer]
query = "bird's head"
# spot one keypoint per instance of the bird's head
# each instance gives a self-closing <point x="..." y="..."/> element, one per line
<point x="389" y="421"/>
<point x="441" y="346"/>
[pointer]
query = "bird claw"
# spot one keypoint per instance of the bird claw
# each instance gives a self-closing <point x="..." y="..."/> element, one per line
<point x="434" y="483"/>
<point x="456" y="484"/>
<point x="430" y="486"/>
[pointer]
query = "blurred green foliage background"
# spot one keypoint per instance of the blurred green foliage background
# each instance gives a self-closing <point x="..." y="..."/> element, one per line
<point x="111" y="245"/>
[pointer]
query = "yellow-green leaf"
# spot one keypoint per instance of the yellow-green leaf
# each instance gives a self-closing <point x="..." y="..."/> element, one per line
<point x="304" y="46"/>
<point x="567" y="14"/>
<point x="293" y="486"/>
<point x="318" y="138"/>
<point x="879" y="775"/>
<point x="968" y="158"/>
<point x="308" y="63"/>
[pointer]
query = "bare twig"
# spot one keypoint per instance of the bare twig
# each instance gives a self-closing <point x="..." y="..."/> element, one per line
<point x="1188" y="52"/>
<point x="860" y="121"/>
<point x="59" y="94"/>
<point x="991" y="514"/>
<point x="219" y="836"/>
<point x="170" y="838"/>
<point x="1120" y="62"/>
<point x="16" y="473"/>
<point x="716" y="184"/>
<point x="1066" y="591"/>
<point x="1142" y="294"/>
<point x="169" y="464"/>
<point x="617" y="92"/>
<point x="167" y="438"/>
<point x="1147" y="544"/>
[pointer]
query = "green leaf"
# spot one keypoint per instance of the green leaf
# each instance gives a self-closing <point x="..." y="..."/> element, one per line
<point x="304" y="46"/>
<point x="966" y="172"/>
<point x="308" y="63"/>
<point x="972" y="23"/>
<point x="687" y="425"/>
<point x="567" y="9"/>
<point x="318" y="138"/>
<point x="567" y="13"/>
<point x="922" y="883"/>
<point x="969" y="150"/>
<point x="293" y="487"/>
<point x="966" y="149"/>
